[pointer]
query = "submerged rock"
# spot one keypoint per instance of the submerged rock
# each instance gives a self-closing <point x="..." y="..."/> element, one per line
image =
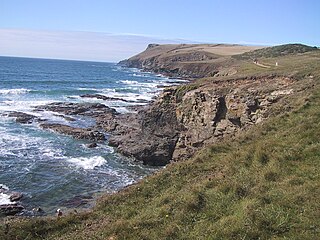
<point x="106" y="98"/>
<point x="77" y="133"/>
<point x="92" y="145"/>
<point x="23" y="118"/>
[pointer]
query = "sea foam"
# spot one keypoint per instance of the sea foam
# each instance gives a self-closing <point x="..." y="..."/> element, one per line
<point x="5" y="199"/>
<point x="88" y="163"/>
<point x="15" y="91"/>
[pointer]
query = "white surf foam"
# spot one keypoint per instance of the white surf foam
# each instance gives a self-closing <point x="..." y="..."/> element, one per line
<point x="129" y="82"/>
<point x="23" y="106"/>
<point x="88" y="163"/>
<point x="5" y="187"/>
<point x="5" y="199"/>
<point x="87" y="89"/>
<point x="15" y="91"/>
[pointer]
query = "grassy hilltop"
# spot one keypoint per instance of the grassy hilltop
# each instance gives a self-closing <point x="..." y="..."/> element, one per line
<point x="262" y="183"/>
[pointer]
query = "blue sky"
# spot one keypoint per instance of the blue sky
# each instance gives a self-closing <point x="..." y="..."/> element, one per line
<point x="213" y="21"/>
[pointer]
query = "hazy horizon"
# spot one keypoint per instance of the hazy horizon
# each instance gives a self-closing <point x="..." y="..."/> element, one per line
<point x="114" y="30"/>
<point x="74" y="45"/>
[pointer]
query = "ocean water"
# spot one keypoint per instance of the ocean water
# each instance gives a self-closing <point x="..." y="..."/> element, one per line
<point x="53" y="170"/>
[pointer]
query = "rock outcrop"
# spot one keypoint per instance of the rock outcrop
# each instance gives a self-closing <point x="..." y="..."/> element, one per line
<point x="149" y="135"/>
<point x="211" y="113"/>
<point x="23" y="118"/>
<point x="83" y="109"/>
<point x="77" y="133"/>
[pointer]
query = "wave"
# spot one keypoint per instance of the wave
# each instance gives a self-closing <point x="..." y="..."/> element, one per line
<point x="87" y="89"/>
<point x="88" y="163"/>
<point x="5" y="187"/>
<point x="15" y="91"/>
<point x="129" y="82"/>
<point x="5" y="199"/>
<point x="22" y="106"/>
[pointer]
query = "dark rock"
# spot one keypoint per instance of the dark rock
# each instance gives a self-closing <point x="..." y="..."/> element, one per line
<point x="15" y="196"/>
<point x="38" y="210"/>
<point x="77" y="133"/>
<point x="106" y="98"/>
<point x="84" y="109"/>
<point x="10" y="209"/>
<point x="70" y="119"/>
<point x="149" y="136"/>
<point x="23" y="118"/>
<point x="92" y="145"/>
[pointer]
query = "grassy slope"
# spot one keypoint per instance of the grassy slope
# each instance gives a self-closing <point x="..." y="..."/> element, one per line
<point x="264" y="184"/>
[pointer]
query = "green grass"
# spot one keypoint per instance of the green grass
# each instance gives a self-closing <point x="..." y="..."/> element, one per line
<point x="276" y="51"/>
<point x="183" y="89"/>
<point x="262" y="184"/>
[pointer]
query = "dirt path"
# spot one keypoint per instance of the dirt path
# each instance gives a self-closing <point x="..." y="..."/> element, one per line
<point x="261" y="65"/>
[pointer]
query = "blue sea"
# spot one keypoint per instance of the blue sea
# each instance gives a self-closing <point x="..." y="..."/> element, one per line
<point x="53" y="170"/>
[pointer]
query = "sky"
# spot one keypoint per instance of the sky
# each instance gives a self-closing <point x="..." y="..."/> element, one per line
<point x="106" y="30"/>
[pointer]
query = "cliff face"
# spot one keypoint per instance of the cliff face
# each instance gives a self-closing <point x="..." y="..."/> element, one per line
<point x="187" y="60"/>
<point x="234" y="96"/>
<point x="189" y="117"/>
<point x="216" y="111"/>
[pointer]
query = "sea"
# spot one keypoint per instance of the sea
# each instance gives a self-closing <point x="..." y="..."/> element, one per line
<point x="52" y="170"/>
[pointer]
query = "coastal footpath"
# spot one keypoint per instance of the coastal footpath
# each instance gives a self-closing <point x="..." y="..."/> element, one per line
<point x="242" y="140"/>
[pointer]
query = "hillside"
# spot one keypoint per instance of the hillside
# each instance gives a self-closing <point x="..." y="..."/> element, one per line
<point x="277" y="51"/>
<point x="245" y="163"/>
<point x="187" y="60"/>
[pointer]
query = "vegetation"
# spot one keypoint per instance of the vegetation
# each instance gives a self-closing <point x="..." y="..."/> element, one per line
<point x="276" y="51"/>
<point x="183" y="89"/>
<point x="262" y="184"/>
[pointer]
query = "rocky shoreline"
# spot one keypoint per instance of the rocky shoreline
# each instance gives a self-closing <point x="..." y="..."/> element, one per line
<point x="180" y="121"/>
